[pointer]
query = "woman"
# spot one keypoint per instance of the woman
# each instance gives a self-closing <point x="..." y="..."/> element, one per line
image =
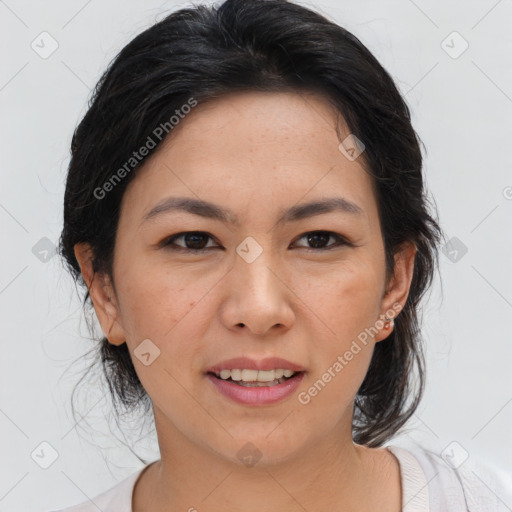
<point x="246" y="208"/>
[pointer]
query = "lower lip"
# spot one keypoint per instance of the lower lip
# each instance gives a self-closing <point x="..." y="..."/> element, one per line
<point x="257" y="395"/>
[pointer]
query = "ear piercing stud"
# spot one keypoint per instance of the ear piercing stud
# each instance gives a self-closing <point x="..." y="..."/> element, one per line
<point x="388" y="322"/>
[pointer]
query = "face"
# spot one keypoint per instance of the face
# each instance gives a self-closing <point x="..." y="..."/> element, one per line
<point x="268" y="280"/>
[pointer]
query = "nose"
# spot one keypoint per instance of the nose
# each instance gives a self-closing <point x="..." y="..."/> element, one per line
<point x="258" y="298"/>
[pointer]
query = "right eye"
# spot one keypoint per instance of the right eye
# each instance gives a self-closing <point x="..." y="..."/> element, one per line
<point x="194" y="241"/>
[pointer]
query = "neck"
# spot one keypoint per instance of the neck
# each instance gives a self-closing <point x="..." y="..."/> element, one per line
<point x="333" y="474"/>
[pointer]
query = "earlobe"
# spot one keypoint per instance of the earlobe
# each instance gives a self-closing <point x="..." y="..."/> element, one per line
<point x="398" y="288"/>
<point x="102" y="295"/>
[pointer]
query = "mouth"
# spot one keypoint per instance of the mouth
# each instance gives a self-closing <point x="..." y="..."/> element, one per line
<point x="256" y="387"/>
<point x="256" y="378"/>
<point x="256" y="382"/>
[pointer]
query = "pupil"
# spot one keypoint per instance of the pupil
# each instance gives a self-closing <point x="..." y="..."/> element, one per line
<point x="195" y="237"/>
<point x="313" y="238"/>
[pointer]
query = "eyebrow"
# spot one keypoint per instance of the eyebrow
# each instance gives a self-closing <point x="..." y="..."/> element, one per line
<point x="212" y="211"/>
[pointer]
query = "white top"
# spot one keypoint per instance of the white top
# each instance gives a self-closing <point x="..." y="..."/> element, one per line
<point x="429" y="484"/>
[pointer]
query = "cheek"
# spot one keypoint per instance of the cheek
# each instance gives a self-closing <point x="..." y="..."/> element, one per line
<point x="154" y="300"/>
<point x="159" y="306"/>
<point x="346" y="300"/>
<point x="168" y="308"/>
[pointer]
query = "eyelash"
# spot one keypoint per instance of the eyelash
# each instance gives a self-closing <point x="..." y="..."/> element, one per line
<point x="168" y="242"/>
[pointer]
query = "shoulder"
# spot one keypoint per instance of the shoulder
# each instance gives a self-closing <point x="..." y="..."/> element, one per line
<point x="452" y="479"/>
<point x="116" y="499"/>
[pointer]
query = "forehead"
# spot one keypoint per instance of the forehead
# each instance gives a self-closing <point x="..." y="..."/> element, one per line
<point x="252" y="150"/>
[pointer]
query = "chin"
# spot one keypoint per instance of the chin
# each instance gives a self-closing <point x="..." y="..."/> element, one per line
<point x="263" y="446"/>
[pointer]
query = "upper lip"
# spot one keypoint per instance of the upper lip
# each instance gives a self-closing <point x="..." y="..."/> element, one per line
<point x="269" y="363"/>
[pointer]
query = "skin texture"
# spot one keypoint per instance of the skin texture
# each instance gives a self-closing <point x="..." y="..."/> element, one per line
<point x="256" y="154"/>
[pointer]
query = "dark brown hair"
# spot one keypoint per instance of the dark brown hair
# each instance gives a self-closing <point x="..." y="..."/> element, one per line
<point x="264" y="45"/>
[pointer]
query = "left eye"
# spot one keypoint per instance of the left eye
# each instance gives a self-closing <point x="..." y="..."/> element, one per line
<point x="194" y="241"/>
<point x="319" y="237"/>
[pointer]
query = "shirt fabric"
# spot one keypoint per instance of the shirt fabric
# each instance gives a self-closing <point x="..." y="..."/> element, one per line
<point x="429" y="484"/>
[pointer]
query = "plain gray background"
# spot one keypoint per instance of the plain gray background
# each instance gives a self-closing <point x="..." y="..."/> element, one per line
<point x="461" y="106"/>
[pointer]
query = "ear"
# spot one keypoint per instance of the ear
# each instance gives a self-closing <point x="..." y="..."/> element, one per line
<point x="397" y="289"/>
<point x="102" y="295"/>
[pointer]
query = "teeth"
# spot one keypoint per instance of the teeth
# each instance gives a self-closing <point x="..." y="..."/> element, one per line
<point x="258" y="376"/>
<point x="250" y="376"/>
<point x="225" y="374"/>
<point x="236" y="374"/>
